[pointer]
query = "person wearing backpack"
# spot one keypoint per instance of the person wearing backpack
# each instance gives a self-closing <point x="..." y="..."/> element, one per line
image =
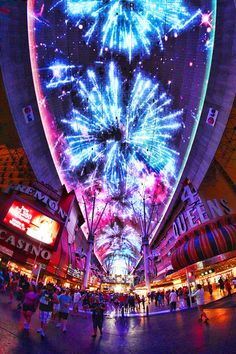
<point x="47" y="298"/>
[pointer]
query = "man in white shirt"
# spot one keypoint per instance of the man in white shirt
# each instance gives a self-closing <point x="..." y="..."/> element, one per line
<point x="173" y="299"/>
<point x="199" y="295"/>
<point x="76" y="300"/>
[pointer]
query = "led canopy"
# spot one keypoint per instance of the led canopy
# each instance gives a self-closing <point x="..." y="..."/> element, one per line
<point x="120" y="87"/>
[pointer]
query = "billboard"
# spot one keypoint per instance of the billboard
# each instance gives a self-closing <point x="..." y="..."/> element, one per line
<point x="31" y="222"/>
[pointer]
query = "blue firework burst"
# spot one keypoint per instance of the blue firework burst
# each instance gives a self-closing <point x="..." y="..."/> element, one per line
<point x="128" y="25"/>
<point x="119" y="142"/>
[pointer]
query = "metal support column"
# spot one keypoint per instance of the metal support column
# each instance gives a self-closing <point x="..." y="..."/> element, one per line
<point x="88" y="262"/>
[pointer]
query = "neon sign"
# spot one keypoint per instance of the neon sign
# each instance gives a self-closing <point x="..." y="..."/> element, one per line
<point x="15" y="242"/>
<point x="197" y="211"/>
<point x="44" y="198"/>
<point x="32" y="223"/>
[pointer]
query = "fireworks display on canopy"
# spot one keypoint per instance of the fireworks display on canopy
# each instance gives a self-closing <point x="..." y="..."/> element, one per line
<point x="120" y="87"/>
<point x="129" y="26"/>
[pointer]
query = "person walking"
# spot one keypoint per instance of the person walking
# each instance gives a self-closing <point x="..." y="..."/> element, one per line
<point x="97" y="309"/>
<point x="56" y="307"/>
<point x="181" y="299"/>
<point x="131" y="302"/>
<point x="76" y="300"/>
<point x="156" y="299"/>
<point x="65" y="300"/>
<point x="85" y="303"/>
<point x="199" y="295"/>
<point x="228" y="287"/>
<point x="48" y="297"/>
<point x="143" y="301"/>
<point x="186" y="296"/>
<point x="159" y="299"/>
<point x="173" y="299"/>
<point x="30" y="303"/>
<point x="167" y="296"/>
<point x="210" y="288"/>
<point x="221" y="285"/>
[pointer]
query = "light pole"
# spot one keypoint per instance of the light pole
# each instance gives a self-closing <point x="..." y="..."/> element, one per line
<point x="92" y="229"/>
<point x="145" y="245"/>
<point x="145" y="226"/>
<point x="88" y="261"/>
<point x="38" y="274"/>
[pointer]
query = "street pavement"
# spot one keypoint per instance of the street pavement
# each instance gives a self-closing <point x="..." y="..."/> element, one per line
<point x="172" y="333"/>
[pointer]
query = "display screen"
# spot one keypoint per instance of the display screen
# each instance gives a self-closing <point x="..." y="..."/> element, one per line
<point x="120" y="87"/>
<point x="32" y="223"/>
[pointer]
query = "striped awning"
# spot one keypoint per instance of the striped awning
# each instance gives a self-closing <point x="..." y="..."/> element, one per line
<point x="205" y="241"/>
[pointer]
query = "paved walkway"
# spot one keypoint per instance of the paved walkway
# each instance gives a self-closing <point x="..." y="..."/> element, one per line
<point x="175" y="333"/>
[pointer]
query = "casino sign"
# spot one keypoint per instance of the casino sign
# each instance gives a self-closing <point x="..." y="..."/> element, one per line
<point x="15" y="242"/>
<point x="203" y="230"/>
<point x="33" y="226"/>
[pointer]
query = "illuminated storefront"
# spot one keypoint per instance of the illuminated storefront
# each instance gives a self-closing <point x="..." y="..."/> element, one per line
<point x="37" y="228"/>
<point x="203" y="230"/>
<point x="117" y="284"/>
<point x="200" y="238"/>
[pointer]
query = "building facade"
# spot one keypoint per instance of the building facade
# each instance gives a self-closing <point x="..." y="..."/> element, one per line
<point x="40" y="228"/>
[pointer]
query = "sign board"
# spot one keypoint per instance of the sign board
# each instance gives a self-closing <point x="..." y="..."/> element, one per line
<point x="44" y="198"/>
<point x="197" y="211"/>
<point x="28" y="114"/>
<point x="32" y="223"/>
<point x="22" y="246"/>
<point x="212" y="116"/>
<point x="75" y="273"/>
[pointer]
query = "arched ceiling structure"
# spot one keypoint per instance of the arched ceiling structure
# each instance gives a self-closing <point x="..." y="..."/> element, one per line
<point x="122" y="88"/>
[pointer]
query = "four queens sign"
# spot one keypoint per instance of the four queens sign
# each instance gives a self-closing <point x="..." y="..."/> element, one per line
<point x="197" y="211"/>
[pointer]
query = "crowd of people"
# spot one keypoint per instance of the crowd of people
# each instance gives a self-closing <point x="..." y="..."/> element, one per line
<point x="54" y="303"/>
<point x="226" y="285"/>
<point x="169" y="298"/>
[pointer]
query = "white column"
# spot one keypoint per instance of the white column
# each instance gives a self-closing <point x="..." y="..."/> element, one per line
<point x="146" y="262"/>
<point x="39" y="270"/>
<point x="189" y="288"/>
<point x="88" y="262"/>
